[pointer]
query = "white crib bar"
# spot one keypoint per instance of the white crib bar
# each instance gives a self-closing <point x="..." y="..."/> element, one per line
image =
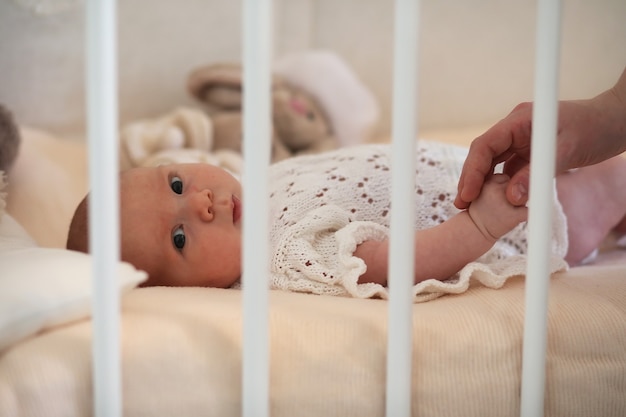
<point x="256" y="127"/>
<point x="402" y="237"/>
<point x="103" y="205"/>
<point x="543" y="156"/>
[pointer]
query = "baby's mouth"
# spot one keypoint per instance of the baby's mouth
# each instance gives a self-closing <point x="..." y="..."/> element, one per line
<point x="236" y="209"/>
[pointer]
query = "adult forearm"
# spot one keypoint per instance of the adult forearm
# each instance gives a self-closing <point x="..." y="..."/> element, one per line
<point x="619" y="90"/>
<point x="611" y="125"/>
<point x="620" y="87"/>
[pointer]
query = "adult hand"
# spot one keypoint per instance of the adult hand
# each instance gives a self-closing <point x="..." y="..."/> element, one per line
<point x="588" y="131"/>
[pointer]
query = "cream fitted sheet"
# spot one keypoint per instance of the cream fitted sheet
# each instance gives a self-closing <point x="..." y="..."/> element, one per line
<point x="181" y="354"/>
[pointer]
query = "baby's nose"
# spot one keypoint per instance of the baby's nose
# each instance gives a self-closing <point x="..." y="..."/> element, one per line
<point x="201" y="204"/>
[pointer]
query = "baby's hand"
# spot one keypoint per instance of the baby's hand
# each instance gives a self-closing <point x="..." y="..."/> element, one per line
<point x="491" y="211"/>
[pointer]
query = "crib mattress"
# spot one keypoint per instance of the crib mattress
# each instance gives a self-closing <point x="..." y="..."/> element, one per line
<point x="181" y="347"/>
<point x="181" y="354"/>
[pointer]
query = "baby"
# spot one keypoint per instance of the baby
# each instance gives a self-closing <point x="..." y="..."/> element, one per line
<point x="329" y="223"/>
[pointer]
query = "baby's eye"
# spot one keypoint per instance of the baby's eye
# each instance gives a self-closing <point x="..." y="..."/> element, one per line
<point x="176" y="184"/>
<point x="178" y="238"/>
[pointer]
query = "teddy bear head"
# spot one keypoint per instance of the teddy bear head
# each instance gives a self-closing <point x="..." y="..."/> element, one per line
<point x="298" y="119"/>
<point x="299" y="124"/>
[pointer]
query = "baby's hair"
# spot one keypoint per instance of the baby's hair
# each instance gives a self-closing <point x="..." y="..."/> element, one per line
<point x="78" y="234"/>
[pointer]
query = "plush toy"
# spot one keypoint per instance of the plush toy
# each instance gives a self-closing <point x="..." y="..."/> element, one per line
<point x="299" y="124"/>
<point x="185" y="135"/>
<point x="318" y="103"/>
<point x="351" y="107"/>
<point x="9" y="139"/>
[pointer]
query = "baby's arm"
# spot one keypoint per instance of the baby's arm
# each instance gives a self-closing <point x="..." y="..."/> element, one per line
<point x="443" y="250"/>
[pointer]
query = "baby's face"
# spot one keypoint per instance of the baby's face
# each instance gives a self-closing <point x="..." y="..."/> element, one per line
<point x="182" y="224"/>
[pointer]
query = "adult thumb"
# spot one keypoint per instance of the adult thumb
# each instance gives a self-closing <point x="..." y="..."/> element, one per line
<point x="517" y="190"/>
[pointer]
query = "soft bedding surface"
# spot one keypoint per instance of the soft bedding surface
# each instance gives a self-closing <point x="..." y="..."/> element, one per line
<point x="46" y="184"/>
<point x="181" y="347"/>
<point x="181" y="353"/>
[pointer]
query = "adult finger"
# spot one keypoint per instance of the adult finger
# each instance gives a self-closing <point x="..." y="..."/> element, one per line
<point x="487" y="150"/>
<point x="514" y="164"/>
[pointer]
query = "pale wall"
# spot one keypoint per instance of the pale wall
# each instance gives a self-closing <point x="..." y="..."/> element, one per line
<point x="477" y="56"/>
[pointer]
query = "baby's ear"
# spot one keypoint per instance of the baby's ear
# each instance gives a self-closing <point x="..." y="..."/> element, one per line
<point x="219" y="86"/>
<point x="9" y="139"/>
<point x="78" y="233"/>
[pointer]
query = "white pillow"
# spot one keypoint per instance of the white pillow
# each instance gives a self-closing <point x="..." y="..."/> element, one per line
<point x="44" y="287"/>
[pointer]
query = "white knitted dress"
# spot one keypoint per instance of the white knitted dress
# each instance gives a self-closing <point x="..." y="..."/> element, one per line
<point x="322" y="206"/>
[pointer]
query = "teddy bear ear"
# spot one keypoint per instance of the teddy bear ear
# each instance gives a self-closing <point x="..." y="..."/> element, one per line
<point x="217" y="85"/>
<point x="220" y="85"/>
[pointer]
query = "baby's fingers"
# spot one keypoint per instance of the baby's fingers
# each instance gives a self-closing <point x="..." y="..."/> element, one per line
<point x="520" y="214"/>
